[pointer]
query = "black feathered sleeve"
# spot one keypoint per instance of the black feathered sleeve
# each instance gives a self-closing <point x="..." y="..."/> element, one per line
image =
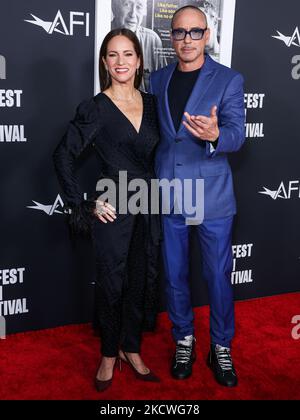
<point x="79" y="134"/>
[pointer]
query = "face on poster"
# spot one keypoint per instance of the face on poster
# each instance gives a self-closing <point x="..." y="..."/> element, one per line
<point x="151" y="22"/>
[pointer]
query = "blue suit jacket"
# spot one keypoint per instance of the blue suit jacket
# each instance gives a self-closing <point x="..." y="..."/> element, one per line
<point x="181" y="155"/>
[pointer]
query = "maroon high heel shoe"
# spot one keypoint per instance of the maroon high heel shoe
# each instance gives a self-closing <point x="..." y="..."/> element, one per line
<point x="149" y="377"/>
<point x="103" y="385"/>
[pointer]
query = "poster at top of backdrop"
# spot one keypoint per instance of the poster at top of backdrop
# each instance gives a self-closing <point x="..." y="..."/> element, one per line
<point x="151" y="21"/>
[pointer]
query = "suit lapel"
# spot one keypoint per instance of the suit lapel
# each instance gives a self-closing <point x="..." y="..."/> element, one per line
<point x="200" y="88"/>
<point x="166" y="83"/>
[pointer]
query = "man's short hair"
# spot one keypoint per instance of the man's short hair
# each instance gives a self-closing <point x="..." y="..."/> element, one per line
<point x="181" y="9"/>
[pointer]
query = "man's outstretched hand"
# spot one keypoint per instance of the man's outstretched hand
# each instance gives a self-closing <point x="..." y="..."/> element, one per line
<point x="204" y="128"/>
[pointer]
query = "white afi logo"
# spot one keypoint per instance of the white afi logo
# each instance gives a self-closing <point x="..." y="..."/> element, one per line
<point x="283" y="192"/>
<point x="59" y="24"/>
<point x="289" y="40"/>
<point x="51" y="208"/>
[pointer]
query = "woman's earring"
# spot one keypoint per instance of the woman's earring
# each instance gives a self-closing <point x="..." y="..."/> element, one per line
<point x="137" y="71"/>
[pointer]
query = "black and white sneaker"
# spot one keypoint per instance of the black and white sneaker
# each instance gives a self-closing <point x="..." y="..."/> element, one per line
<point x="183" y="358"/>
<point x="220" y="362"/>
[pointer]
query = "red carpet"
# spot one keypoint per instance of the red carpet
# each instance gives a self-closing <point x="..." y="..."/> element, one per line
<point x="60" y="363"/>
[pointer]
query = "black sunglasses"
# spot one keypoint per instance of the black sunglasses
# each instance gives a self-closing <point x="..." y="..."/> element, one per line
<point x="196" y="34"/>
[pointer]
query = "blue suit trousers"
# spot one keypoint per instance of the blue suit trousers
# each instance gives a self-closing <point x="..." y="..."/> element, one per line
<point x="214" y="237"/>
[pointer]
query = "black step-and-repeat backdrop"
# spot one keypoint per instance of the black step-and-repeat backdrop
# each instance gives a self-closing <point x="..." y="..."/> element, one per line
<point x="47" y="68"/>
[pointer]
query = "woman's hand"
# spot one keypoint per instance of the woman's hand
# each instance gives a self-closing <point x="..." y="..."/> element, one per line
<point x="105" y="212"/>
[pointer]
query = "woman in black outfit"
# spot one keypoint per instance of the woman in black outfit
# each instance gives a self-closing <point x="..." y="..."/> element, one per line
<point x="121" y="124"/>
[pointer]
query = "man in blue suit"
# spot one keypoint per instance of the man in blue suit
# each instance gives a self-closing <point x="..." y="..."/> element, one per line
<point x="209" y="98"/>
